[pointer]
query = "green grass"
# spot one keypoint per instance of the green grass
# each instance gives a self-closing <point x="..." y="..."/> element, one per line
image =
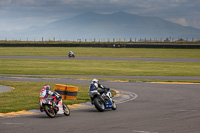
<point x="25" y="96"/>
<point x="101" y="52"/>
<point x="90" y="67"/>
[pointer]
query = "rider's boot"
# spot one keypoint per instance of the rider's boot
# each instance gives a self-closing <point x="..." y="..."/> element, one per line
<point x="92" y="101"/>
<point x="41" y="109"/>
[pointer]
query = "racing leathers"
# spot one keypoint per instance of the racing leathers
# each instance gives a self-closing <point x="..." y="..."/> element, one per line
<point x="44" y="95"/>
<point x="95" y="86"/>
<point x="70" y="53"/>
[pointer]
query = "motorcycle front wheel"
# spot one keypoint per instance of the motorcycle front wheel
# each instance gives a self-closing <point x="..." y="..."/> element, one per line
<point x="114" y="106"/>
<point x="99" y="105"/>
<point x="49" y="111"/>
<point x="66" y="110"/>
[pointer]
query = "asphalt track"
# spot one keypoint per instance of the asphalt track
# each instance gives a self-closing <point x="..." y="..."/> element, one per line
<point x="106" y="58"/>
<point x="158" y="108"/>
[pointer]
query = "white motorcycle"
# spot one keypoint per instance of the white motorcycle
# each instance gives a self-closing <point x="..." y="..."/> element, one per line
<point x="48" y="105"/>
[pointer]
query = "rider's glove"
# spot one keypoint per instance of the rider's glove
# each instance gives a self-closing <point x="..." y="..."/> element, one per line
<point x="57" y="97"/>
<point x="106" y="89"/>
<point x="60" y="97"/>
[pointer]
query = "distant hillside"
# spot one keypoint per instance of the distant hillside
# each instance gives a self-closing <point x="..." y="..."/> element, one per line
<point x="122" y="25"/>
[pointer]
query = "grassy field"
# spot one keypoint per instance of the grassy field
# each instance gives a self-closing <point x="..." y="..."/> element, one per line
<point x="25" y="96"/>
<point x="90" y="67"/>
<point x="101" y="52"/>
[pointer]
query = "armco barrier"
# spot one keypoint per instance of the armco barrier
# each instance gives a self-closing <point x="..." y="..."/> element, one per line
<point x="66" y="91"/>
<point x="106" y="45"/>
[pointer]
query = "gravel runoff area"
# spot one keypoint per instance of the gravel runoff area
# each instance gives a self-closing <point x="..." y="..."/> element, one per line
<point x="5" y="88"/>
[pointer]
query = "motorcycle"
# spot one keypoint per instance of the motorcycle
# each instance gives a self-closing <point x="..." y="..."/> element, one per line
<point x="54" y="106"/>
<point x="102" y="100"/>
<point x="71" y="55"/>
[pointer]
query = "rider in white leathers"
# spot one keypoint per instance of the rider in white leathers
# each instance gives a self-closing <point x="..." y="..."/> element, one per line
<point x="45" y="92"/>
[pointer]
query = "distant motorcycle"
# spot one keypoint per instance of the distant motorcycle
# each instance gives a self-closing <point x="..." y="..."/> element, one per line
<point x="52" y="107"/>
<point x="101" y="100"/>
<point x="71" y="55"/>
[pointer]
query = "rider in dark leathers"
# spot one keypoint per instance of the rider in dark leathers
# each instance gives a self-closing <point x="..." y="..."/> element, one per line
<point x="95" y="85"/>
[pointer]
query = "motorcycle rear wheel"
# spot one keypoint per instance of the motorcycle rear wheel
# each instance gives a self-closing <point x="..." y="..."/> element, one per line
<point x="99" y="105"/>
<point x="66" y="110"/>
<point x="49" y="111"/>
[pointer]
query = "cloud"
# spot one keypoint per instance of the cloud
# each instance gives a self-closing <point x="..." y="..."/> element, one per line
<point x="5" y="2"/>
<point x="184" y="12"/>
<point x="181" y="21"/>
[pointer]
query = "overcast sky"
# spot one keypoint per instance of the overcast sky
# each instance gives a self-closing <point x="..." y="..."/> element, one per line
<point x="21" y="14"/>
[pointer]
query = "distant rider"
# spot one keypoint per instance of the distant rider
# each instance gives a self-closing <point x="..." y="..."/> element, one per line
<point x="45" y="92"/>
<point x="70" y="53"/>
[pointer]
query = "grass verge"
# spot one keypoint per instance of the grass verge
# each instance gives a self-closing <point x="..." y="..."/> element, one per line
<point x="92" y="67"/>
<point x="25" y="96"/>
<point x="101" y="52"/>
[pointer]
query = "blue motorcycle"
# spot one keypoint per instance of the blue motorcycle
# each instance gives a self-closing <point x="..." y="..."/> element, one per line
<point x="102" y="99"/>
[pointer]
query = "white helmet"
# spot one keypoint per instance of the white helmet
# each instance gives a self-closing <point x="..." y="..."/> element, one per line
<point x="95" y="81"/>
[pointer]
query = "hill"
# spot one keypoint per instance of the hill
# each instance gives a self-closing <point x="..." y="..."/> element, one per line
<point x="122" y="25"/>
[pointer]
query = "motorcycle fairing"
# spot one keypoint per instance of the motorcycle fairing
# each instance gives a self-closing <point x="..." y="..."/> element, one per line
<point x="108" y="105"/>
<point x="60" y="106"/>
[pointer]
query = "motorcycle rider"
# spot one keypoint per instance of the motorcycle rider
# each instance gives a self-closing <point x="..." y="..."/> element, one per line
<point x="95" y="85"/>
<point x="45" y="92"/>
<point x="70" y="53"/>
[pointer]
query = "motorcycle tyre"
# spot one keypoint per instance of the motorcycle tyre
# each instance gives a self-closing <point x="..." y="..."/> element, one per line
<point x="46" y="109"/>
<point x="99" y="105"/>
<point x="66" y="112"/>
<point x="114" y="106"/>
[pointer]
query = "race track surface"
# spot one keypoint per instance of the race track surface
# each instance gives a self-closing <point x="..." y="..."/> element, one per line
<point x="158" y="108"/>
<point x="106" y="58"/>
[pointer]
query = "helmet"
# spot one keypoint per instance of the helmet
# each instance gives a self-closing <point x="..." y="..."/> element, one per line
<point x="95" y="81"/>
<point x="47" y="87"/>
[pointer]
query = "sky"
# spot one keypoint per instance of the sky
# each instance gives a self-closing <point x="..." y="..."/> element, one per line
<point x="22" y="14"/>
